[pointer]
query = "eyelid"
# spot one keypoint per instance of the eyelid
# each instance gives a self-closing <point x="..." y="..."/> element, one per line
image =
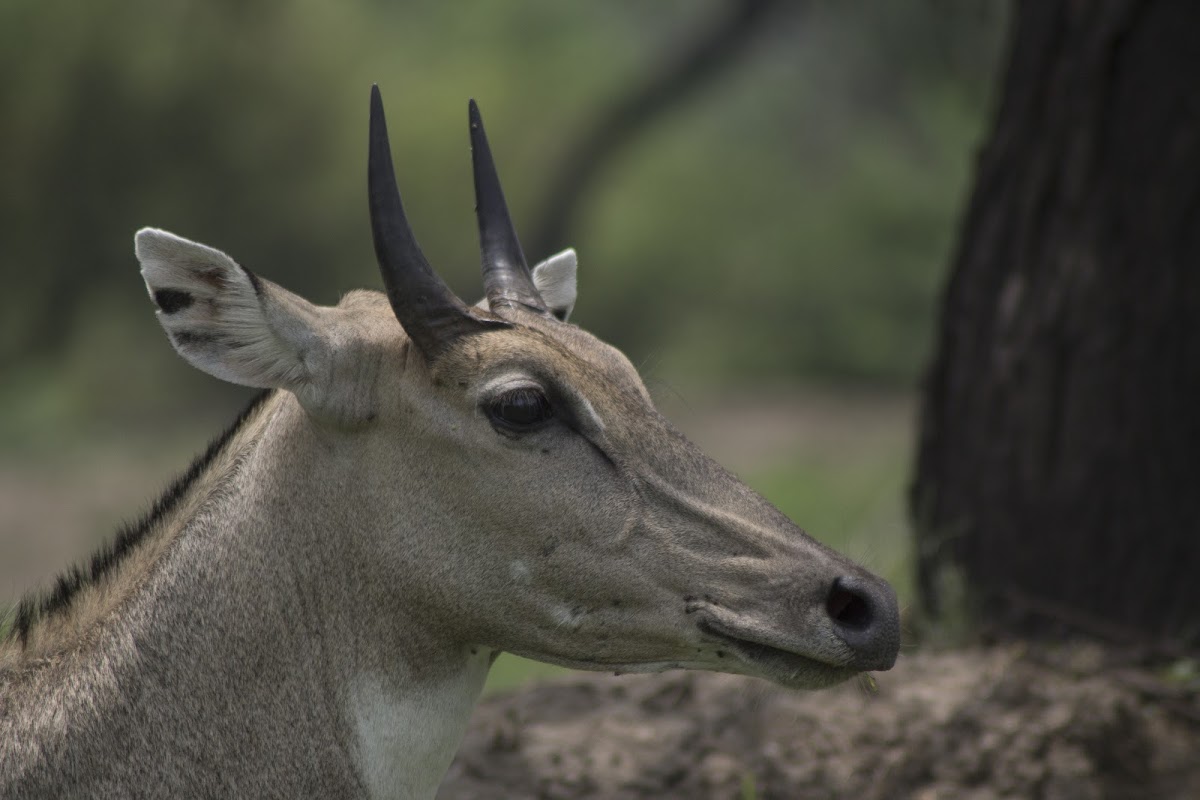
<point x="507" y="383"/>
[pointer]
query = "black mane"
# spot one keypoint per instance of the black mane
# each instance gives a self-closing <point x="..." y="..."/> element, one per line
<point x="39" y="604"/>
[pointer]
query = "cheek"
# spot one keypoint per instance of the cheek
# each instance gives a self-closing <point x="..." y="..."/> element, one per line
<point x="520" y="573"/>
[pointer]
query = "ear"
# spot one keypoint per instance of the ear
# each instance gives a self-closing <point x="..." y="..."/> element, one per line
<point x="555" y="282"/>
<point x="227" y="321"/>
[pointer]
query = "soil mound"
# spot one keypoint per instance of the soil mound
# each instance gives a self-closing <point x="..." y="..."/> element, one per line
<point x="968" y="725"/>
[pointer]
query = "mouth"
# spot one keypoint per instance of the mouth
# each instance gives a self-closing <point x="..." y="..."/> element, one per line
<point x="784" y="667"/>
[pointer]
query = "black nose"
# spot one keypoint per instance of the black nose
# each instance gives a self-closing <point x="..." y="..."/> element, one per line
<point x="866" y="617"/>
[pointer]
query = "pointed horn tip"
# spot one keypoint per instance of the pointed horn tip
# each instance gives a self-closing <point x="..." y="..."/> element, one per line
<point x="376" y="115"/>
<point x="377" y="128"/>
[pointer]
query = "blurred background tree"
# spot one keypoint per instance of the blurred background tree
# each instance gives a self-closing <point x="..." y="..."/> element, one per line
<point x="809" y="182"/>
<point x="1061" y="420"/>
<point x="762" y="192"/>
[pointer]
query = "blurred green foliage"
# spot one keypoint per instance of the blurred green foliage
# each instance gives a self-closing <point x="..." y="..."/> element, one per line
<point x="792" y="220"/>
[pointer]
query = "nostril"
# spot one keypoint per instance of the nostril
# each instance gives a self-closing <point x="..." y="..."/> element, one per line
<point x="864" y="615"/>
<point x="848" y="608"/>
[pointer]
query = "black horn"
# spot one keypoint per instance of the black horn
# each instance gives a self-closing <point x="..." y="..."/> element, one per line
<point x="506" y="275"/>
<point x="431" y="314"/>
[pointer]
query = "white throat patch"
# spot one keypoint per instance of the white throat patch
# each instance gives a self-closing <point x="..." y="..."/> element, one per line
<point x="407" y="736"/>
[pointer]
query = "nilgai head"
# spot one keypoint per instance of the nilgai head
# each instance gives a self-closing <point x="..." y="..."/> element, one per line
<point x="503" y="476"/>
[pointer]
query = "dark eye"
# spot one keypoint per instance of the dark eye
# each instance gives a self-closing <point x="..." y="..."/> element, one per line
<point x="520" y="409"/>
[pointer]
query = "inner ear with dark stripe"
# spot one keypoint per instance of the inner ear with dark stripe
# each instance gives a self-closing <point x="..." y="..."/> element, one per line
<point x="225" y="320"/>
<point x="171" y="300"/>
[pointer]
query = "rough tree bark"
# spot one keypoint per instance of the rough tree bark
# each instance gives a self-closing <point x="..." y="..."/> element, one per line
<point x="1059" y="455"/>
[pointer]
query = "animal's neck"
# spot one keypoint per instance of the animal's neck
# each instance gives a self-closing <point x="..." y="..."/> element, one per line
<point x="405" y="683"/>
<point x="256" y="617"/>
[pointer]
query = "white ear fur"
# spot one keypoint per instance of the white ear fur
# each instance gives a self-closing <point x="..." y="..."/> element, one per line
<point x="555" y="281"/>
<point x="225" y="320"/>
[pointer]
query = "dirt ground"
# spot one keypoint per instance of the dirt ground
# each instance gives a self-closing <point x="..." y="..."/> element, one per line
<point x="1005" y="722"/>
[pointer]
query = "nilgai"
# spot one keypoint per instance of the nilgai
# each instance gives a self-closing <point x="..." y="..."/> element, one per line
<point x="312" y="609"/>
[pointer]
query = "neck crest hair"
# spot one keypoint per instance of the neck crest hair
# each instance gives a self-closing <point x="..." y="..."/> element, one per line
<point x="44" y="618"/>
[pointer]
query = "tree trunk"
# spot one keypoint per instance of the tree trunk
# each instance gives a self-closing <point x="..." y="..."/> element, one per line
<point x="1059" y="455"/>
